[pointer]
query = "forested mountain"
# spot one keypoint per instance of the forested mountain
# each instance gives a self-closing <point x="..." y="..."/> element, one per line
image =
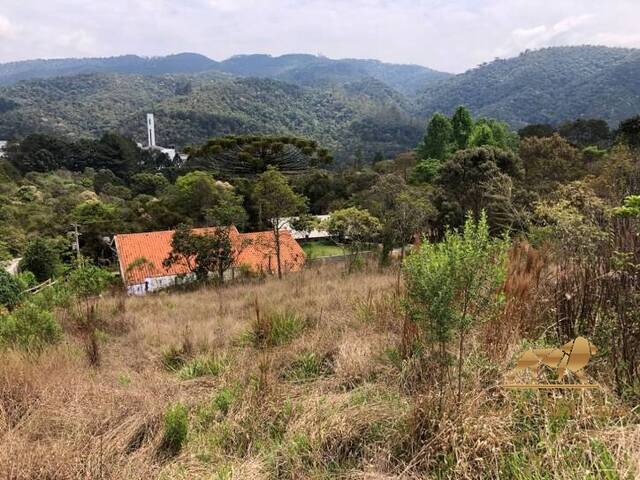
<point x="366" y="115"/>
<point x="545" y="86"/>
<point x="311" y="70"/>
<point x="32" y="69"/>
<point x="354" y="107"/>
<point x="308" y="70"/>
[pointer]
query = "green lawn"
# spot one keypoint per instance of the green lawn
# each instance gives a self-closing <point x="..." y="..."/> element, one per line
<point x="321" y="248"/>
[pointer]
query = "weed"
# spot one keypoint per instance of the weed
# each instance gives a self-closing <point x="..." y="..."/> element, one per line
<point x="200" y="367"/>
<point x="223" y="400"/>
<point x="308" y="366"/>
<point x="275" y="329"/>
<point x="176" y="427"/>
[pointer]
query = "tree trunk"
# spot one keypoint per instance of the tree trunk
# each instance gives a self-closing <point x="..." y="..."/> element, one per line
<point x="276" y="234"/>
<point x="460" y="350"/>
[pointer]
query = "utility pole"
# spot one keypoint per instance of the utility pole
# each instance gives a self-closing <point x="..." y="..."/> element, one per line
<point x="76" y="242"/>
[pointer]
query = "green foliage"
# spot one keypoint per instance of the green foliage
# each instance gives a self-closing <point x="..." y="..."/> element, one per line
<point x="438" y="138"/>
<point x="275" y="329"/>
<point x="425" y="171"/>
<point x="252" y="155"/>
<point x="630" y="207"/>
<point x="87" y="280"/>
<point x="211" y="252"/>
<point x="148" y="183"/>
<point x="176" y="428"/>
<point x="10" y="290"/>
<point x="586" y="132"/>
<point x="29" y="326"/>
<point x="354" y="228"/>
<point x="41" y="258"/>
<point x="629" y="132"/>
<point x="307" y="366"/>
<point x="479" y="179"/>
<point x="451" y="283"/>
<point x="223" y="399"/>
<point x="200" y="367"/>
<point x="544" y="86"/>
<point x="549" y="161"/>
<point x="462" y="125"/>
<point x="274" y="198"/>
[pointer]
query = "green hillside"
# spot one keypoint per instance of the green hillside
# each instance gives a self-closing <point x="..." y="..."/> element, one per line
<point x="545" y="86"/>
<point x="190" y="109"/>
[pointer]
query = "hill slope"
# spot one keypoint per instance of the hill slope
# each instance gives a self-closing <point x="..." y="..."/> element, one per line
<point x="311" y="70"/>
<point x="131" y="64"/>
<point x="308" y="70"/>
<point x="545" y="86"/>
<point x="190" y="109"/>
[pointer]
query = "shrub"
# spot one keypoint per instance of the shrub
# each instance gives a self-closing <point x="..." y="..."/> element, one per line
<point x="29" y="326"/>
<point x="10" y="291"/>
<point x="176" y="427"/>
<point x="275" y="329"/>
<point x="451" y="284"/>
<point x="88" y="280"/>
<point x="200" y="367"/>
<point x="41" y="258"/>
<point x="173" y="358"/>
<point x="223" y="400"/>
<point x="307" y="367"/>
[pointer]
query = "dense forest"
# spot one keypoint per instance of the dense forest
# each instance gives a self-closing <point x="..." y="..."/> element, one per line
<point x="356" y="108"/>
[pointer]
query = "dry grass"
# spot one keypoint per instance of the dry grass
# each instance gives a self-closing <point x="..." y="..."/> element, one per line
<point x="354" y="407"/>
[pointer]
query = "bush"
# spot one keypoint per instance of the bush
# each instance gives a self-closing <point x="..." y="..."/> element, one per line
<point x="41" y="258"/>
<point x="223" y="400"/>
<point x="29" y="326"/>
<point x="10" y="291"/>
<point x="176" y="427"/>
<point x="88" y="280"/>
<point x="200" y="367"/>
<point x="275" y="329"/>
<point x="308" y="366"/>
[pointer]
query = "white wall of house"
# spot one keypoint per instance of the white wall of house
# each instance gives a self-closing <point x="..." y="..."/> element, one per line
<point x="286" y="225"/>
<point x="153" y="284"/>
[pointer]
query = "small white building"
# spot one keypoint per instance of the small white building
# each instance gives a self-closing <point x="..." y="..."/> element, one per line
<point x="311" y="235"/>
<point x="3" y="148"/>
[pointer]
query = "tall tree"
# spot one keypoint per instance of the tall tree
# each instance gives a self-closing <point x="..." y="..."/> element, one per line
<point x="438" y="138"/>
<point x="254" y="154"/>
<point x="200" y="197"/>
<point x="477" y="179"/>
<point x="276" y="201"/>
<point x="203" y="254"/>
<point x="462" y="124"/>
<point x="629" y="132"/>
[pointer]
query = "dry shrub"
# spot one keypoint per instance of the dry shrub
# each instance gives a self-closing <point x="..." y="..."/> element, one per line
<point x="457" y="441"/>
<point x="358" y="357"/>
<point x="522" y="308"/>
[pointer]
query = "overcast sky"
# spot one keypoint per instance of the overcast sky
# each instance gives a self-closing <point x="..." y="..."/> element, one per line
<point x="450" y="35"/>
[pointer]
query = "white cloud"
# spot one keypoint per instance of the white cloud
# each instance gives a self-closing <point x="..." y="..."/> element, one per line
<point x="446" y="34"/>
<point x="7" y="29"/>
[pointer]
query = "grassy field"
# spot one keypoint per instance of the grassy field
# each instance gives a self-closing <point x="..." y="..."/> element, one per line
<point x="306" y="377"/>
<point x="321" y="248"/>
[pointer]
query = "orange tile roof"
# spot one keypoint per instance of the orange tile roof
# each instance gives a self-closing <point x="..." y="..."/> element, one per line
<point x="256" y="251"/>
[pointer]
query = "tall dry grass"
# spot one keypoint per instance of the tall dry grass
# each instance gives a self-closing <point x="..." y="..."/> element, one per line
<point x="300" y="378"/>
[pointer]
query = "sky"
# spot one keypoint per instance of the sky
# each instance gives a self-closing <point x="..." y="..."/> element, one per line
<point x="451" y="35"/>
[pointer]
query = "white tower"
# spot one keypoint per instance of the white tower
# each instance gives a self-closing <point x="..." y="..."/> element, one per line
<point x="151" y="131"/>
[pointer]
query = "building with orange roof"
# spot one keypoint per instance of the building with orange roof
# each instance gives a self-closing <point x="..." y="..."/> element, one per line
<point x="141" y="257"/>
